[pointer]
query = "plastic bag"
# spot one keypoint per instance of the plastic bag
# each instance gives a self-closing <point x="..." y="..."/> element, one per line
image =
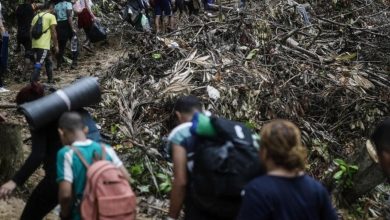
<point x="97" y="33"/>
<point x="145" y="23"/>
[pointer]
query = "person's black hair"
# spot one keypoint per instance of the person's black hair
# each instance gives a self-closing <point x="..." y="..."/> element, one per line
<point x="381" y="136"/>
<point x="187" y="104"/>
<point x="71" y="121"/>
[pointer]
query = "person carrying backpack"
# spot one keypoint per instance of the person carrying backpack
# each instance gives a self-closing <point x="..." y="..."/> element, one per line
<point x="65" y="31"/>
<point x="213" y="158"/>
<point x="85" y="17"/>
<point x="93" y="183"/>
<point x="45" y="143"/>
<point x="285" y="192"/>
<point x="184" y="109"/>
<point x="43" y="34"/>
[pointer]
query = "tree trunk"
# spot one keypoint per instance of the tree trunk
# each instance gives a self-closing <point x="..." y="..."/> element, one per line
<point x="366" y="179"/>
<point x="11" y="149"/>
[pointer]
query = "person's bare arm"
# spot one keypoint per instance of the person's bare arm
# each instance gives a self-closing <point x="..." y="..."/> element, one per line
<point x="70" y="19"/>
<point x="2" y="27"/>
<point x="65" y="199"/>
<point x="54" y="37"/>
<point x="86" y="2"/>
<point x="179" y="182"/>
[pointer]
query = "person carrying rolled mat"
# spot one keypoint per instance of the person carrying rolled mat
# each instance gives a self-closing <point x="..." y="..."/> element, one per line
<point x="42" y="40"/>
<point x="65" y="30"/>
<point x="45" y="145"/>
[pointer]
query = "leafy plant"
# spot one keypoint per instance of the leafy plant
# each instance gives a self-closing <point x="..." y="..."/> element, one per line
<point x="345" y="173"/>
<point x="165" y="186"/>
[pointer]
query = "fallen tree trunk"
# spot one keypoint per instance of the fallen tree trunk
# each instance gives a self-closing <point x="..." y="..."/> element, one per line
<point x="11" y="149"/>
<point x="366" y="179"/>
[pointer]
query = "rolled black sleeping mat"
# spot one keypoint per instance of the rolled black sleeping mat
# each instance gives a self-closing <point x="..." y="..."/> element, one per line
<point x="84" y="92"/>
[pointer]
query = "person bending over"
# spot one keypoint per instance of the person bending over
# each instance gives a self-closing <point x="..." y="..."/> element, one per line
<point x="181" y="144"/>
<point x="45" y="145"/>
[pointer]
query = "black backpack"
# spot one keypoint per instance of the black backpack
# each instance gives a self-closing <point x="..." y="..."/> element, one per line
<point x="222" y="167"/>
<point x="37" y="29"/>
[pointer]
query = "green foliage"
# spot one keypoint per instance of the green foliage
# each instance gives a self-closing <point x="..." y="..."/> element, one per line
<point x="165" y="184"/>
<point x="148" y="175"/>
<point x="344" y="174"/>
<point x="250" y="124"/>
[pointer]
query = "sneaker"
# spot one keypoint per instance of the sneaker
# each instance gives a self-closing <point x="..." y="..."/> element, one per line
<point x="2" y="89"/>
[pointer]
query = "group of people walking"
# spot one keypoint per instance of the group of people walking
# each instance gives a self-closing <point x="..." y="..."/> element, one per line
<point x="44" y="29"/>
<point x="69" y="147"/>
<point x="221" y="169"/>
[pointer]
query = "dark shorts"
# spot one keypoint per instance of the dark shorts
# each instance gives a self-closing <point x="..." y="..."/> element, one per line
<point x="163" y="8"/>
<point x="41" y="55"/>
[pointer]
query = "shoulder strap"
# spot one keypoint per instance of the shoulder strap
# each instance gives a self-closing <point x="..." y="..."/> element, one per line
<point x="41" y="16"/>
<point x="103" y="151"/>
<point x="80" y="156"/>
<point x="44" y="32"/>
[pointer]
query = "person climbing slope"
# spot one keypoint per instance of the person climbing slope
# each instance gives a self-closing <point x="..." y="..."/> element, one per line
<point x="286" y="192"/>
<point x="65" y="30"/>
<point x="74" y="160"/>
<point x="43" y="32"/>
<point x="44" y="147"/>
<point x="164" y="15"/>
<point x="24" y="16"/>
<point x="184" y="109"/>
<point x="85" y="17"/>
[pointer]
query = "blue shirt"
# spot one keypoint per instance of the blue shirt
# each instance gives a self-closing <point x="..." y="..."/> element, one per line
<point x="280" y="198"/>
<point x="61" y="10"/>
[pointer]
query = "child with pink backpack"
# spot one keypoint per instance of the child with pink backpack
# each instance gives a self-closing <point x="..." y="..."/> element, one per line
<point x="93" y="183"/>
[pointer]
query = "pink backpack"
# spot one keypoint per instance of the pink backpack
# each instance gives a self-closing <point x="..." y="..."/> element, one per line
<point x="107" y="193"/>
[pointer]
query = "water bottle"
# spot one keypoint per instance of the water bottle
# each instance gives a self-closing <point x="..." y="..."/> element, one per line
<point x="73" y="46"/>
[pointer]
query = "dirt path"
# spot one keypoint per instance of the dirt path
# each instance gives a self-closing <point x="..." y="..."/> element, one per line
<point x="90" y="64"/>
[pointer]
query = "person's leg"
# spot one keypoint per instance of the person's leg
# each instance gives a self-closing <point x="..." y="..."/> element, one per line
<point x="49" y="67"/>
<point x="168" y="16"/>
<point x="1" y="78"/>
<point x="158" y="13"/>
<point x="62" y="40"/>
<point x="28" y="58"/>
<point x="42" y="200"/>
<point x="40" y="57"/>
<point x="75" y="54"/>
<point x="1" y="71"/>
<point x="18" y="42"/>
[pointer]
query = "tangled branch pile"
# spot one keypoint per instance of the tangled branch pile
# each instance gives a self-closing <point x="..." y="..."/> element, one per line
<point x="322" y="66"/>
